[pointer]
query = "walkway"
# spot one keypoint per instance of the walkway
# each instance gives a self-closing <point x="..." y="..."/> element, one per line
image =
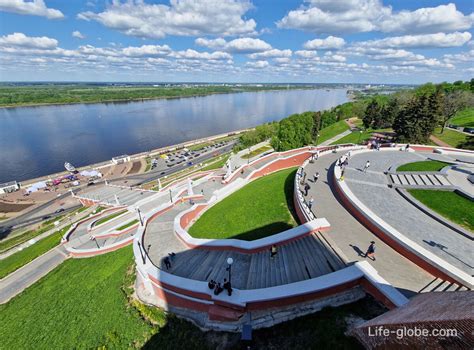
<point x="335" y="138"/>
<point x="372" y="190"/>
<point x="352" y="238"/>
<point x="24" y="277"/>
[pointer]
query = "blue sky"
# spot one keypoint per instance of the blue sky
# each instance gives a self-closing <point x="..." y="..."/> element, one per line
<point x="367" y="41"/>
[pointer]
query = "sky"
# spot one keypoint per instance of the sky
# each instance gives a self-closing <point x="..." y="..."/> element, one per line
<point x="310" y="41"/>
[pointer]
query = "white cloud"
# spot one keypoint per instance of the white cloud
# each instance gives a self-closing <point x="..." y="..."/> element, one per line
<point x="78" y="34"/>
<point x="195" y="55"/>
<point x="257" y="64"/>
<point x="271" y="53"/>
<point x="324" y="16"/>
<point x="21" y="40"/>
<point x="421" y="41"/>
<point x="34" y="8"/>
<point x="184" y="17"/>
<point x="211" y="43"/>
<point x="146" y="50"/>
<point x="240" y="45"/>
<point x="331" y="42"/>
<point x="306" y="53"/>
<point x="443" y="18"/>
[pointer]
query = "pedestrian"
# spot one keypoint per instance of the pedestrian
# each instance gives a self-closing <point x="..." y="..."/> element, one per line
<point x="315" y="177"/>
<point x="341" y="178"/>
<point x="317" y="154"/>
<point x="407" y="147"/>
<point x="202" y="192"/>
<point x="345" y="163"/>
<point x="211" y="284"/>
<point x="367" y="165"/>
<point x="310" y="203"/>
<point x="167" y="263"/>
<point x="218" y="289"/>
<point x="306" y="189"/>
<point x="273" y="251"/>
<point x="349" y="154"/>
<point x="370" y="253"/>
<point x="304" y="176"/>
<point x="227" y="287"/>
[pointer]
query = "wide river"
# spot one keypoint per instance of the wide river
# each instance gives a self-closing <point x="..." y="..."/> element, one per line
<point x="36" y="141"/>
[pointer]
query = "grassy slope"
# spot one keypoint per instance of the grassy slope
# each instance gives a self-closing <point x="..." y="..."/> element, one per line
<point x="451" y="137"/>
<point x="91" y="311"/>
<point x="424" y="165"/>
<point x="258" y="210"/>
<point x="358" y="137"/>
<point x="78" y="305"/>
<point x="332" y="130"/>
<point x="217" y="164"/>
<point x="109" y="217"/>
<point x="128" y="224"/>
<point x="22" y="257"/>
<point x="464" y="118"/>
<point x="449" y="204"/>
<point x="257" y="151"/>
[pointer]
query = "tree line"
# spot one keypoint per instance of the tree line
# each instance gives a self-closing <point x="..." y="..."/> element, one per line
<point x="412" y="114"/>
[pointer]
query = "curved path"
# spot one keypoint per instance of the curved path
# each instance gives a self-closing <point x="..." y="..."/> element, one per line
<point x="353" y="238"/>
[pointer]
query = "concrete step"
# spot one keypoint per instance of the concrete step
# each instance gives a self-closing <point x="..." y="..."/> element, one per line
<point x="252" y="272"/>
<point x="332" y="256"/>
<point x="403" y="179"/>
<point x="286" y="264"/>
<point x="297" y="262"/>
<point x="320" y="256"/>
<point x="313" y="267"/>
<point x="200" y="270"/>
<point x="444" y="181"/>
<point x="395" y="179"/>
<point x="441" y="287"/>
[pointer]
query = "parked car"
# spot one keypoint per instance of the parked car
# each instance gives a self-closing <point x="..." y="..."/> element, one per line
<point x="60" y="210"/>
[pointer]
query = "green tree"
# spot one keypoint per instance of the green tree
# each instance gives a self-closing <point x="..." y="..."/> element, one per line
<point x="372" y="113"/>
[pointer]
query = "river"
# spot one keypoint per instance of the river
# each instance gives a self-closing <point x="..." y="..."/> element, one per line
<point x="36" y="141"/>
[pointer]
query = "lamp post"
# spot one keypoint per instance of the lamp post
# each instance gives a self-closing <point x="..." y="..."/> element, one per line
<point x="171" y="197"/>
<point x="360" y="135"/>
<point x="139" y="215"/>
<point x="230" y="261"/>
<point x="95" y="240"/>
<point x="248" y="157"/>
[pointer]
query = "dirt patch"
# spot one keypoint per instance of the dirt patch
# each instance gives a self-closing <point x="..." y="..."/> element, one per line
<point x="135" y="167"/>
<point x="12" y="207"/>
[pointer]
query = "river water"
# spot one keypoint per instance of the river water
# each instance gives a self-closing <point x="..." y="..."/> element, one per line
<point x="36" y="141"/>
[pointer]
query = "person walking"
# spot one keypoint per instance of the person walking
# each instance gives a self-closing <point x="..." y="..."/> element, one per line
<point x="315" y="177"/>
<point x="306" y="189"/>
<point x="310" y="203"/>
<point x="273" y="251"/>
<point x="341" y="178"/>
<point x="370" y="253"/>
<point x="167" y="263"/>
<point x="367" y="165"/>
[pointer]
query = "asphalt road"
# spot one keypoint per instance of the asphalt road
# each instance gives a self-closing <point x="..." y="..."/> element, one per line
<point x="32" y="216"/>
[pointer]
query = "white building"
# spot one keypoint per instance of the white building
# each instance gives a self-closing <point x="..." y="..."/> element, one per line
<point x="121" y="159"/>
<point x="9" y="187"/>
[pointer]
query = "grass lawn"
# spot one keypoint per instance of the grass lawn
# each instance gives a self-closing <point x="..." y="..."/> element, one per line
<point x="261" y="208"/>
<point x="217" y="164"/>
<point x="127" y="225"/>
<point x="358" y="137"/>
<point x="94" y="310"/>
<point x="332" y="130"/>
<point x="23" y="257"/>
<point x="78" y="305"/>
<point x="424" y="165"/>
<point x="110" y="217"/>
<point x="451" y="137"/>
<point x="257" y="151"/>
<point x="451" y="205"/>
<point x="464" y="118"/>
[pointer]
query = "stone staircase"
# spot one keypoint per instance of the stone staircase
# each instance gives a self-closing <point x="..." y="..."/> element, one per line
<point x="417" y="180"/>
<point x="439" y="285"/>
<point x="302" y="259"/>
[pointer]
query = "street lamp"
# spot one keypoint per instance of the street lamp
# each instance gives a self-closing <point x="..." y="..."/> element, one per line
<point x="95" y="240"/>
<point x="230" y="261"/>
<point x="360" y="134"/>
<point x="171" y="197"/>
<point x="139" y="215"/>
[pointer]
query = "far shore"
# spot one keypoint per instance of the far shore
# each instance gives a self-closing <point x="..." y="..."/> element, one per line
<point x="125" y="100"/>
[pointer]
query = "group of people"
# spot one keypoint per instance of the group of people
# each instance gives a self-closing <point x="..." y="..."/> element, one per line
<point x="167" y="260"/>
<point x="218" y="288"/>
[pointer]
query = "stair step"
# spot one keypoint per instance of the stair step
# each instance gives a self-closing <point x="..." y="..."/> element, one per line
<point x="319" y="255"/>
<point x="286" y="263"/>
<point x="334" y="259"/>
